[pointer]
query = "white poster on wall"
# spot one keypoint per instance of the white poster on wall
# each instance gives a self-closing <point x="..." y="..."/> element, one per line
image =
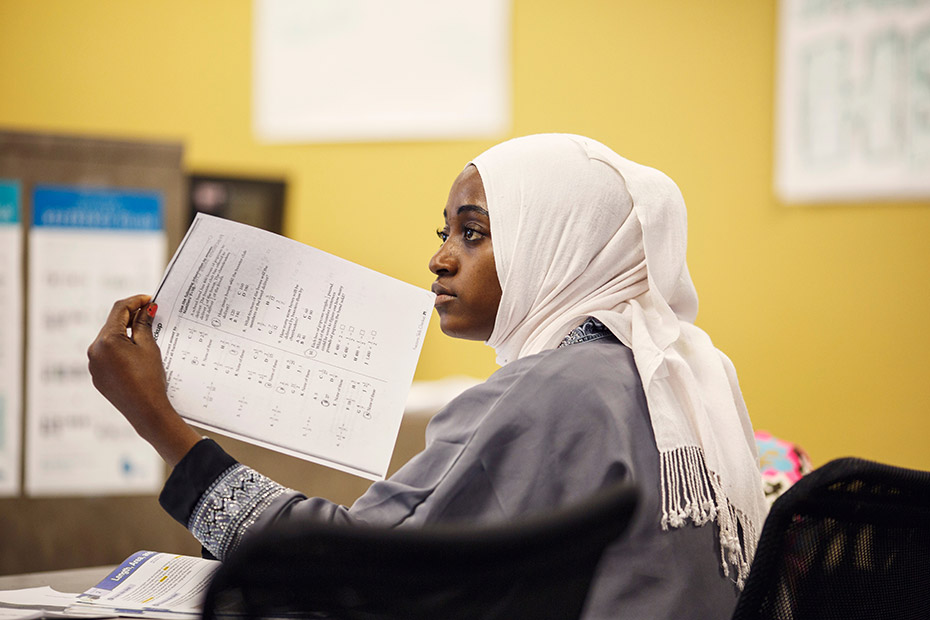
<point x="853" y="101"/>
<point x="368" y="70"/>
<point x="11" y="336"/>
<point x="87" y="248"/>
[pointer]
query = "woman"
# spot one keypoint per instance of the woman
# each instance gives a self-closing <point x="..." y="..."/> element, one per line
<point x="570" y="261"/>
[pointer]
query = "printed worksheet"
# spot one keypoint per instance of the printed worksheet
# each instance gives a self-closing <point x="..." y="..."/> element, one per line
<point x="88" y="247"/>
<point x="11" y="336"/>
<point x="271" y="341"/>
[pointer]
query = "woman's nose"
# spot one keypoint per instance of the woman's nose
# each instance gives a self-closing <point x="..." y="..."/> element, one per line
<point x="443" y="261"/>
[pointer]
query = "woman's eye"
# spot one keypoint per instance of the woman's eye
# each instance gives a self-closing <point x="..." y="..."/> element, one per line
<point x="471" y="234"/>
<point x="443" y="235"/>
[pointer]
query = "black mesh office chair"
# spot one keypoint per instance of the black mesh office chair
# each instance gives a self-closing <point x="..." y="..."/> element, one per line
<point x="849" y="540"/>
<point x="539" y="567"/>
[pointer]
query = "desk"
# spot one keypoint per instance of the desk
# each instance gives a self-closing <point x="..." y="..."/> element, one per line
<point x="74" y="580"/>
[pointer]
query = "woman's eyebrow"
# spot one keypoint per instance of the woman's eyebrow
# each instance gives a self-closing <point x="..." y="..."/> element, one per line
<point x="474" y="208"/>
<point x="465" y="208"/>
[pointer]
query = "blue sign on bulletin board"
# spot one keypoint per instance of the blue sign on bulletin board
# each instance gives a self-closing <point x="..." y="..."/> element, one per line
<point x="9" y="202"/>
<point x="76" y="207"/>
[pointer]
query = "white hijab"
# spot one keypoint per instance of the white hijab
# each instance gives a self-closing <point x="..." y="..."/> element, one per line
<point x="579" y="231"/>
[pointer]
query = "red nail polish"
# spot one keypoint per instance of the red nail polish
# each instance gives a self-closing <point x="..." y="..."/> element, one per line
<point x="152" y="309"/>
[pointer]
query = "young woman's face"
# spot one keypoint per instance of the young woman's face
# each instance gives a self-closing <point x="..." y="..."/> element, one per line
<point x="467" y="289"/>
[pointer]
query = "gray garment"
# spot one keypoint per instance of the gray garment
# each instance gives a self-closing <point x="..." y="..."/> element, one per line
<point x="543" y="431"/>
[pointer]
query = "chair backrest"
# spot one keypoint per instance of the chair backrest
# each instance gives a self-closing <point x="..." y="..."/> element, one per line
<point x="849" y="540"/>
<point x="540" y="567"/>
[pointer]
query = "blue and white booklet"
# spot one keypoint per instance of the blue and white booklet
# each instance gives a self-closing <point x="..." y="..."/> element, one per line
<point x="150" y="585"/>
<point x="146" y="585"/>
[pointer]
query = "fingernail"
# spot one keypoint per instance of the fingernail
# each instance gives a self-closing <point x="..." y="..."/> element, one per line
<point x="152" y="309"/>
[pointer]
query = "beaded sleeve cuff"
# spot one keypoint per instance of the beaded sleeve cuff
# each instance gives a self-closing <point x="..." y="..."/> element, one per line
<point x="230" y="506"/>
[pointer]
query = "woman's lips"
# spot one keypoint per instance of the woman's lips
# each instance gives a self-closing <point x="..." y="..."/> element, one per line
<point x="443" y="295"/>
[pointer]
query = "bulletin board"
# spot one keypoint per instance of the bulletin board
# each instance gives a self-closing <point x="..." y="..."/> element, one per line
<point x="66" y="200"/>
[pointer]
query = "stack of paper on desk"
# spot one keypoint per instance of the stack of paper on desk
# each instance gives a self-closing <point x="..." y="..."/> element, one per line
<point x="145" y="585"/>
<point x="279" y="344"/>
<point x="34" y="603"/>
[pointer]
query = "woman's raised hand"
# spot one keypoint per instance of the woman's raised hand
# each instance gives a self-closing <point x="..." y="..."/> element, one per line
<point x="126" y="368"/>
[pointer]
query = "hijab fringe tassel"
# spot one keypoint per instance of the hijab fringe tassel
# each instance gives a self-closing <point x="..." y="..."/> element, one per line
<point x="691" y="492"/>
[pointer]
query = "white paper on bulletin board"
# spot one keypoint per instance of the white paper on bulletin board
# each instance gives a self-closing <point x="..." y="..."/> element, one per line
<point x="88" y="247"/>
<point x="370" y="70"/>
<point x="853" y="110"/>
<point x="11" y="336"/>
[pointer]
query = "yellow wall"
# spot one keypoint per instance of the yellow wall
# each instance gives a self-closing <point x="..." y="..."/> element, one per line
<point x="823" y="309"/>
